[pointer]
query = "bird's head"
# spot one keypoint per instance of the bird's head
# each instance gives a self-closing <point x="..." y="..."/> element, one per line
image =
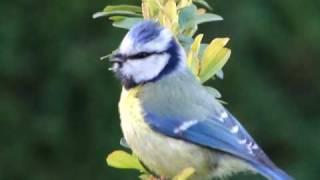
<point x="147" y="53"/>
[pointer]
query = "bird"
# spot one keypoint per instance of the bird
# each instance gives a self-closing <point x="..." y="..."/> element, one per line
<point x="170" y="120"/>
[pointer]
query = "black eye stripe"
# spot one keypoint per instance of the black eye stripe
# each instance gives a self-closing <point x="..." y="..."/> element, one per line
<point x="142" y="55"/>
<point x="117" y="57"/>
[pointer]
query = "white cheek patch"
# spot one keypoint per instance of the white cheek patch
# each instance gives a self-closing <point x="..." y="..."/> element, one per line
<point x="145" y="69"/>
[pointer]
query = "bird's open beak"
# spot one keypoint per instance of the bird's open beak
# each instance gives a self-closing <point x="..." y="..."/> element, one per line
<point x="117" y="60"/>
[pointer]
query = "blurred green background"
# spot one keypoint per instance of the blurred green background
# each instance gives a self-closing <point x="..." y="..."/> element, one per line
<point x="58" y="102"/>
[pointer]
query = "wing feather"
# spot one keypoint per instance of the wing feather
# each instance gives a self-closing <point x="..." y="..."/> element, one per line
<point x="210" y="133"/>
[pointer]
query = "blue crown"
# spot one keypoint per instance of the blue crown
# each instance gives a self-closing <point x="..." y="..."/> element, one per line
<point x="145" y="31"/>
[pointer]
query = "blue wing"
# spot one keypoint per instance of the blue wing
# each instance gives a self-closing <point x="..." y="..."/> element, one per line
<point x="221" y="132"/>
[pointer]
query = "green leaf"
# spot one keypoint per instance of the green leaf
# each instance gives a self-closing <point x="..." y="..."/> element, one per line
<point x="195" y="47"/>
<point x="184" y="174"/>
<point x="214" y="58"/>
<point x="124" y="22"/>
<point x="128" y="8"/>
<point x="185" y="41"/>
<point x="150" y="9"/>
<point x="220" y="74"/>
<point x="187" y="17"/>
<point x="213" y="48"/>
<point x="117" y="18"/>
<point x="144" y="177"/>
<point x="193" y="58"/>
<point x="208" y="17"/>
<point x="123" y="160"/>
<point x="103" y="14"/>
<point x="202" y="48"/>
<point x="171" y="10"/>
<point x="203" y="3"/>
<point x="215" y="64"/>
<point x="119" y="10"/>
<point x="191" y="31"/>
<point x="98" y="15"/>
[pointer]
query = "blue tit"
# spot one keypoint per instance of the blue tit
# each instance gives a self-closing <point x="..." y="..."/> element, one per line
<point x="170" y="121"/>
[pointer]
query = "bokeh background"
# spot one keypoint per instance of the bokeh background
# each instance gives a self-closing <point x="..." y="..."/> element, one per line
<point x="58" y="101"/>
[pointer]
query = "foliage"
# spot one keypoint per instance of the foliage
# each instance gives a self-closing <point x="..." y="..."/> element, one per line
<point x="123" y="160"/>
<point x="182" y="17"/>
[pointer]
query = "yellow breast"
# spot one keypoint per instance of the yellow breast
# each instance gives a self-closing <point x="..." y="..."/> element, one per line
<point x="164" y="155"/>
<point x="131" y="115"/>
<point x="130" y="106"/>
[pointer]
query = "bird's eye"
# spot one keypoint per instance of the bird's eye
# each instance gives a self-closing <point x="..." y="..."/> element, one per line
<point x="140" y="55"/>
